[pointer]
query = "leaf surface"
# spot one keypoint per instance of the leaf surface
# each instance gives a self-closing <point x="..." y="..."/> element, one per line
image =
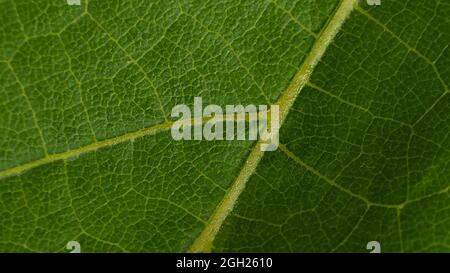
<point x="87" y="155"/>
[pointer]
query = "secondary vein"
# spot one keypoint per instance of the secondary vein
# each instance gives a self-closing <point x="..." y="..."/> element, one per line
<point x="85" y="149"/>
<point x="152" y="130"/>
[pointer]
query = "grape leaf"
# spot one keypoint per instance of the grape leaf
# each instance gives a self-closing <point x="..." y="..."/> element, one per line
<point x="86" y="152"/>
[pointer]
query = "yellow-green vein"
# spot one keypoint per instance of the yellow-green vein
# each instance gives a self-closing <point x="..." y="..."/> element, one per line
<point x="203" y="243"/>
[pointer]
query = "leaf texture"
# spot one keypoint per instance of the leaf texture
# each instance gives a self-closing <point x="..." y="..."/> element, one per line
<point x="86" y="152"/>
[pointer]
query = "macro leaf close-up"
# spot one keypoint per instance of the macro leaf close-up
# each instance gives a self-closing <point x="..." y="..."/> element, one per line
<point x="359" y="90"/>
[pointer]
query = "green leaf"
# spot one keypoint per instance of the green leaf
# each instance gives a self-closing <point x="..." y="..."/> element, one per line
<point x="86" y="153"/>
